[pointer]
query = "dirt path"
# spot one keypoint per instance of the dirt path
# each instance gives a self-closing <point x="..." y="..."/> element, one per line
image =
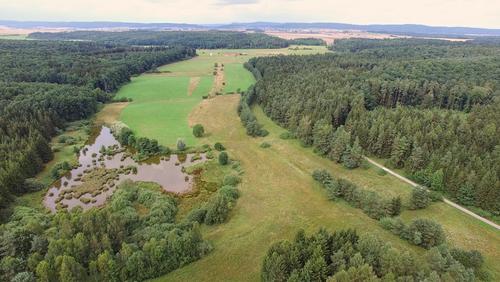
<point x="193" y="83"/>
<point x="218" y="80"/>
<point x="489" y="222"/>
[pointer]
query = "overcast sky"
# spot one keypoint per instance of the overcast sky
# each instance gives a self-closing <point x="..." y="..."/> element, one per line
<point x="476" y="13"/>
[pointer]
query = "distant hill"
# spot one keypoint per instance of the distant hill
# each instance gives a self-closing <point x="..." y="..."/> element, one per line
<point x="97" y="25"/>
<point x="402" y="29"/>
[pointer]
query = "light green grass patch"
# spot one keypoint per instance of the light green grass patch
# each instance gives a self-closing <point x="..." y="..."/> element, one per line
<point x="160" y="107"/>
<point x="237" y="77"/>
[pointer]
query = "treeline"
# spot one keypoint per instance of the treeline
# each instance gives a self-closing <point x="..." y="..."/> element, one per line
<point x="45" y="84"/>
<point x="194" y="39"/>
<point x="81" y="63"/>
<point x="307" y="41"/>
<point x="430" y="107"/>
<point x="346" y="256"/>
<point x="248" y="119"/>
<point x="133" y="238"/>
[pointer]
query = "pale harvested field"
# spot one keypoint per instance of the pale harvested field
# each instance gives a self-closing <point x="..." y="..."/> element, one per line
<point x="329" y="36"/>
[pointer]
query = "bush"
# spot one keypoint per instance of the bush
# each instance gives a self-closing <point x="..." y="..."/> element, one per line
<point x="435" y="196"/>
<point x="381" y="172"/>
<point x="181" y="145"/>
<point x="219" y="147"/>
<point x="419" y="198"/>
<point x="425" y="233"/>
<point x="230" y="191"/>
<point x="218" y="209"/>
<point x="395" y="225"/>
<point x="231" y="180"/>
<point x="223" y="158"/>
<point x="198" y="130"/>
<point x="265" y="145"/>
<point x="287" y="135"/>
<point x="197" y="214"/>
<point x="469" y="259"/>
<point x="32" y="185"/>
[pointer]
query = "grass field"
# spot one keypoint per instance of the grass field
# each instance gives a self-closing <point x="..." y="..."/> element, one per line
<point x="279" y="197"/>
<point x="14" y="36"/>
<point x="162" y="101"/>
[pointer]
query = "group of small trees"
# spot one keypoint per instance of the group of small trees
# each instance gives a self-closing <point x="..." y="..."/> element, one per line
<point x="370" y="202"/>
<point x="247" y="117"/>
<point x="421" y="232"/>
<point x="346" y="256"/>
<point x="145" y="147"/>
<point x="218" y="207"/>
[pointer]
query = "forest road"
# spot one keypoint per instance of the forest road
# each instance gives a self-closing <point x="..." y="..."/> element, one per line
<point x="457" y="206"/>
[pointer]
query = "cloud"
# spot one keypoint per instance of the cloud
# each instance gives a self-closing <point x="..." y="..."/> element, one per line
<point x="480" y="13"/>
<point x="237" y="2"/>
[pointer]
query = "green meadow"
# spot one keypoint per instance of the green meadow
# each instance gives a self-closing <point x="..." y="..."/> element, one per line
<point x="161" y="102"/>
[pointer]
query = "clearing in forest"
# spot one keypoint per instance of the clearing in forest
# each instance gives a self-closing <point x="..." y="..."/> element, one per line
<point x="160" y="106"/>
<point x="279" y="197"/>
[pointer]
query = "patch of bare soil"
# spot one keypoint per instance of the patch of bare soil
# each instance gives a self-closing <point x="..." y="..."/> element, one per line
<point x="110" y="113"/>
<point x="193" y="83"/>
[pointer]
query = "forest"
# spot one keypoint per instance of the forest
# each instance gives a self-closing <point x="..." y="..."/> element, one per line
<point x="194" y="39"/>
<point x="116" y="243"/>
<point x="430" y="107"/>
<point x="45" y="84"/>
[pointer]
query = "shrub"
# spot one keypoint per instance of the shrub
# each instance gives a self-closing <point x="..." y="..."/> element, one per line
<point x="218" y="209"/>
<point x="469" y="259"/>
<point x="198" y="130"/>
<point x="419" y="198"/>
<point x="394" y="206"/>
<point x="32" y="185"/>
<point x="197" y="214"/>
<point x="181" y="145"/>
<point x="395" y="225"/>
<point x="287" y="135"/>
<point x="381" y="172"/>
<point x="435" y="196"/>
<point x="265" y="145"/>
<point x="231" y="180"/>
<point x="223" y="158"/>
<point x="219" y="147"/>
<point x="229" y="191"/>
<point x="425" y="233"/>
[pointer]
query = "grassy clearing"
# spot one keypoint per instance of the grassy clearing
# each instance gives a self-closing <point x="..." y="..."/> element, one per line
<point x="279" y="197"/>
<point x="161" y="104"/>
<point x="160" y="107"/>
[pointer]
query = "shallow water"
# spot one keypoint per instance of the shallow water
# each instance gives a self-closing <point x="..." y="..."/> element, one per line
<point x="165" y="172"/>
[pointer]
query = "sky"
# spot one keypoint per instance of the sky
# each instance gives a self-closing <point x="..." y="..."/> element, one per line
<point x="473" y="13"/>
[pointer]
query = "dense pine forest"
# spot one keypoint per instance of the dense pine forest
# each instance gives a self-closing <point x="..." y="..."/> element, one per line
<point x="430" y="107"/>
<point x="194" y="39"/>
<point x="44" y="84"/>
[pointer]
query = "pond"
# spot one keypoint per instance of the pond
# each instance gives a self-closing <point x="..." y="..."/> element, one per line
<point x="98" y="174"/>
